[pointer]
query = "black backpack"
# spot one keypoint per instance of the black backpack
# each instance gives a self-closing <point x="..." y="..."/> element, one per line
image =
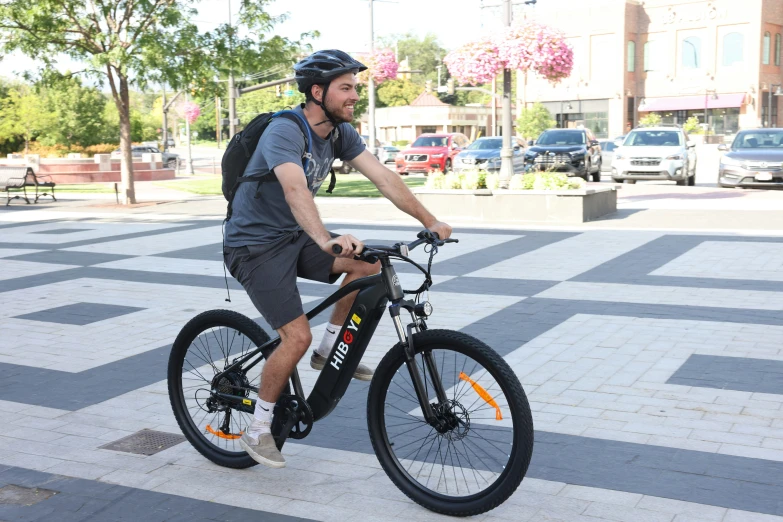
<point x="242" y="146"/>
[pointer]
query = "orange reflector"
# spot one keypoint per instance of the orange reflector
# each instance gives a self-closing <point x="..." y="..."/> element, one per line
<point x="222" y="435"/>
<point x="483" y="394"/>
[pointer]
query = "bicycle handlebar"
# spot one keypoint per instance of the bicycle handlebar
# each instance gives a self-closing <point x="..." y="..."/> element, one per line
<point x="425" y="236"/>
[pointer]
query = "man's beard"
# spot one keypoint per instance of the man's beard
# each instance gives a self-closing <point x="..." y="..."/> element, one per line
<point x="338" y="112"/>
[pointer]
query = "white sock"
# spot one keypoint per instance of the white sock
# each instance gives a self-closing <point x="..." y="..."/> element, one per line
<point x="262" y="419"/>
<point x="329" y="337"/>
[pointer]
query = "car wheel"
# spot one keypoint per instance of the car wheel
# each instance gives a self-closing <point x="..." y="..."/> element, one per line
<point x="447" y="166"/>
<point x="345" y="169"/>
<point x="631" y="181"/>
<point x="682" y="182"/>
<point x="171" y="164"/>
<point x="597" y="174"/>
<point x="586" y="174"/>
<point x="692" y="180"/>
<point x="617" y="181"/>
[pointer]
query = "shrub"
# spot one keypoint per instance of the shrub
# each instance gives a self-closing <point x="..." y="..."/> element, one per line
<point x="400" y="143"/>
<point x="492" y="181"/>
<point x="545" y="181"/>
<point x="651" y="120"/>
<point x="435" y="180"/>
<point x="692" y="125"/>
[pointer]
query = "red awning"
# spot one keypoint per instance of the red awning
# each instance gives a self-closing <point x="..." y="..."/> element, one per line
<point x="684" y="103"/>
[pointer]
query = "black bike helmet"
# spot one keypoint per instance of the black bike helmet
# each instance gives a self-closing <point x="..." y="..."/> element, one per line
<point x="322" y="67"/>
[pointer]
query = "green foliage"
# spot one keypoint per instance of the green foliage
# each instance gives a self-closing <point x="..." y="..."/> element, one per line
<point x="423" y="54"/>
<point x="650" y="120"/>
<point x="24" y="113"/>
<point x="545" y="181"/>
<point x="692" y="125"/>
<point x="401" y="143"/>
<point x="533" y="121"/>
<point x="395" y="93"/>
<point x="77" y="112"/>
<point x="466" y="180"/>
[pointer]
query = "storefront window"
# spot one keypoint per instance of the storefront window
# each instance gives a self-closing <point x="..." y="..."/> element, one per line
<point x="598" y="122"/>
<point x="725" y="121"/>
<point x="691" y="52"/>
<point x="765" y="56"/>
<point x="632" y="56"/>
<point x="733" y="51"/>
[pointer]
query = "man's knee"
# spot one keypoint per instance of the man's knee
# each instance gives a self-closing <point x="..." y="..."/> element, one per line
<point x="297" y="334"/>
<point x="367" y="269"/>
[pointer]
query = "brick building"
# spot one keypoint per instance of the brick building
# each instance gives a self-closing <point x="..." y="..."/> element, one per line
<point x="718" y="60"/>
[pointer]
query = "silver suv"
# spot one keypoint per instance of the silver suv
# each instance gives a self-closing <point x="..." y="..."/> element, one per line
<point x="655" y="153"/>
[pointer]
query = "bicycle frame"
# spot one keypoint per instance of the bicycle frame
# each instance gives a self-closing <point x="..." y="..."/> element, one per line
<point x="352" y="341"/>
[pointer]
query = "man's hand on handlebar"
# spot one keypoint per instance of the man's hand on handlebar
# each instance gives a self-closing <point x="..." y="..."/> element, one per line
<point x="442" y="229"/>
<point x="348" y="245"/>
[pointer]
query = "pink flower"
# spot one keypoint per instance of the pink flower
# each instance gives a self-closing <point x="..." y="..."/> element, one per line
<point x="530" y="46"/>
<point x="191" y="111"/>
<point x="382" y="64"/>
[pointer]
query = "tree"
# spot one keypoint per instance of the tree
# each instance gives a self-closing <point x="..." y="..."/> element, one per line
<point x="24" y="113"/>
<point x="124" y="42"/>
<point x="423" y="54"/>
<point x="77" y="113"/>
<point x="394" y="93"/>
<point x="534" y="121"/>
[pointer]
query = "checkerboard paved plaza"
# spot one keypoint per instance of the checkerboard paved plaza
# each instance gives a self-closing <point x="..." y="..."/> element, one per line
<point x="653" y="362"/>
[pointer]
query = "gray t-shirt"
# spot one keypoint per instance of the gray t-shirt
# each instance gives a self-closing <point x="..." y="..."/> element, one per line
<point x="269" y="218"/>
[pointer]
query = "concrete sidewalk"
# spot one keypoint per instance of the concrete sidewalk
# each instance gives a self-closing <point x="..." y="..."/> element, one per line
<point x="641" y="206"/>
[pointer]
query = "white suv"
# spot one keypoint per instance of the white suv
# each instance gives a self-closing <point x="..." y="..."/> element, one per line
<point x="655" y="153"/>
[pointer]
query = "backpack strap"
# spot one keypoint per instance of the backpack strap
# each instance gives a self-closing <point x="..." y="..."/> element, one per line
<point x="306" y="157"/>
<point x="337" y="150"/>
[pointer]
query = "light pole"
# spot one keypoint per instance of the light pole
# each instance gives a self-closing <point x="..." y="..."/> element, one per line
<point x="371" y="89"/>
<point x="778" y="92"/>
<point x="706" y="119"/>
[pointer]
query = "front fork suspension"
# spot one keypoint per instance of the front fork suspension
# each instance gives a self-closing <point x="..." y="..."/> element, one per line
<point x="405" y="335"/>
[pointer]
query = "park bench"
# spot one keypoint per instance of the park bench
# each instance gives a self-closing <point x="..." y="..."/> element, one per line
<point x="19" y="178"/>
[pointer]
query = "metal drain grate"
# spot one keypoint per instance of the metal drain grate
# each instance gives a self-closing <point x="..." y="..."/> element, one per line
<point x="145" y="442"/>
<point x="21" y="496"/>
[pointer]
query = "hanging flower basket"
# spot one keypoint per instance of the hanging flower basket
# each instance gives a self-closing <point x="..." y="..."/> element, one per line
<point x="530" y="46"/>
<point x="382" y="64"/>
<point x="191" y="111"/>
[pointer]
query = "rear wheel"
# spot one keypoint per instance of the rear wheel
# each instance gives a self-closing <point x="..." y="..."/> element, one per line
<point x="208" y="344"/>
<point x="447" y="166"/>
<point x="478" y="454"/>
<point x="692" y="180"/>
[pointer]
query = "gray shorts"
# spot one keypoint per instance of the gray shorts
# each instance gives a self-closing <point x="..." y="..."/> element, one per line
<point x="268" y="274"/>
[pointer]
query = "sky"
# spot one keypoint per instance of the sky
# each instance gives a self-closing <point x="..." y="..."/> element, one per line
<point x="344" y="24"/>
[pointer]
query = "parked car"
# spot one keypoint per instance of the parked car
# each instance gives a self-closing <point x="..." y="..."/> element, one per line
<point x="170" y="159"/>
<point x="435" y="151"/>
<point x="387" y="154"/>
<point x="754" y="159"/>
<point x="575" y="152"/>
<point x="607" y="154"/>
<point x="345" y="168"/>
<point x="484" y="153"/>
<point x="655" y="153"/>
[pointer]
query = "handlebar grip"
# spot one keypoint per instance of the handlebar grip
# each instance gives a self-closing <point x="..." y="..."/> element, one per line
<point x="337" y="249"/>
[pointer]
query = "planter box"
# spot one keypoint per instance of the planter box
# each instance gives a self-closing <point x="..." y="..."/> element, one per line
<point x="511" y="206"/>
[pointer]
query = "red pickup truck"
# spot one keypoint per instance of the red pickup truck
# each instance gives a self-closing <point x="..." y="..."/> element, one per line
<point x="434" y="151"/>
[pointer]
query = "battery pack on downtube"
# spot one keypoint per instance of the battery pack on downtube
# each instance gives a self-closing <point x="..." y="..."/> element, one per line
<point x="347" y="352"/>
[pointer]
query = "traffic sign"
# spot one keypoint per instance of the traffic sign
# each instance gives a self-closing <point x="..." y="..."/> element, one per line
<point x="289" y="92"/>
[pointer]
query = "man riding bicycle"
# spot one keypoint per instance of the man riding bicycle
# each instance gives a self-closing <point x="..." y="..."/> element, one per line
<point x="276" y="235"/>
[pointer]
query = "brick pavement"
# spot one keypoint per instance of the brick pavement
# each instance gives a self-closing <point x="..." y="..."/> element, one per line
<point x="652" y="362"/>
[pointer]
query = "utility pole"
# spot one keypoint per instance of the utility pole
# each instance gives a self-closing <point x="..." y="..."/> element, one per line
<point x="232" y="92"/>
<point x="506" y="165"/>
<point x="165" y="122"/>
<point x="371" y="87"/>
<point x="218" y="129"/>
<point x="187" y="132"/>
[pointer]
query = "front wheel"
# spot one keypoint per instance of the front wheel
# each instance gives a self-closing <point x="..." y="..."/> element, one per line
<point x="206" y="345"/>
<point x="479" y="452"/>
<point x="447" y="166"/>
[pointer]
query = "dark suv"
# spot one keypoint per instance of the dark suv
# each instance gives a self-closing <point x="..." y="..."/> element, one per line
<point x="575" y="152"/>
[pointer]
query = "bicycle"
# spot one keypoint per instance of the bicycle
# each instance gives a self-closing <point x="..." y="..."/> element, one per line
<point x="456" y="395"/>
